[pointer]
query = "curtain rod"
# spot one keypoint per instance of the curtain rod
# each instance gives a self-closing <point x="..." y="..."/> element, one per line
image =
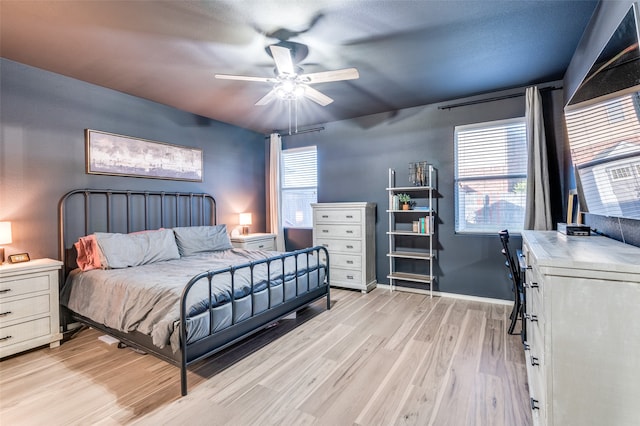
<point x="299" y="132"/>
<point x="495" y="98"/>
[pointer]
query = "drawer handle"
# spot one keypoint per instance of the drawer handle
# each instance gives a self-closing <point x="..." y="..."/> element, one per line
<point x="534" y="404"/>
<point x="534" y="361"/>
<point x="526" y="346"/>
<point x="325" y="230"/>
<point x="349" y="246"/>
<point x="349" y="216"/>
<point x="5" y="290"/>
<point x="261" y="245"/>
<point x="349" y="277"/>
<point x="4" y="314"/>
<point x="350" y="262"/>
<point x="5" y="338"/>
<point x="531" y="317"/>
<point x="325" y="216"/>
<point x="325" y="245"/>
<point x="349" y="231"/>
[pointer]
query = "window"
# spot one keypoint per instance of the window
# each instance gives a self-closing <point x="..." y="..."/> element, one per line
<point x="299" y="186"/>
<point x="490" y="176"/>
<point x="606" y="153"/>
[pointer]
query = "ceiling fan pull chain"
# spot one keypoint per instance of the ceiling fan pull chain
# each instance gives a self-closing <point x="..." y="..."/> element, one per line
<point x="289" y="105"/>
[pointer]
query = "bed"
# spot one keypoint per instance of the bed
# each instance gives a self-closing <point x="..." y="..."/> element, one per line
<point x="155" y="271"/>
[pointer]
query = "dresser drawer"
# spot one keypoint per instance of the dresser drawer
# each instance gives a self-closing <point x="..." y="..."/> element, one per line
<point x="345" y="231"/>
<point x="10" y="287"/>
<point x="341" y="246"/>
<point x="338" y="216"/>
<point x="347" y="276"/>
<point x="14" y="310"/>
<point x="346" y="261"/>
<point x="24" y="331"/>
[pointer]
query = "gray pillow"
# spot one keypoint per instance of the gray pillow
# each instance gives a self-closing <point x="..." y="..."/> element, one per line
<point x="139" y="248"/>
<point x="200" y="239"/>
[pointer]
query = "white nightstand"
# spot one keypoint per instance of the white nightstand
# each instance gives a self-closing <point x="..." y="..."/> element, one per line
<point x="29" y="308"/>
<point x="254" y="241"/>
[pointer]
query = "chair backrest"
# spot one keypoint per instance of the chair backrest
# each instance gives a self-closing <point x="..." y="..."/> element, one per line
<point x="514" y="267"/>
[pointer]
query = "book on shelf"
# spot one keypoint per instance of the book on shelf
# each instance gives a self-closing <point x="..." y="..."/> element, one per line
<point x="425" y="225"/>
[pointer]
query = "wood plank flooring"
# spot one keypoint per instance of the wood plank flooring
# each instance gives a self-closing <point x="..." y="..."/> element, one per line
<point x="376" y="359"/>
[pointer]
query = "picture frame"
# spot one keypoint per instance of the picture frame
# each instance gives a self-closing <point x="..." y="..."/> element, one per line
<point x="118" y="155"/>
<point x="19" y="257"/>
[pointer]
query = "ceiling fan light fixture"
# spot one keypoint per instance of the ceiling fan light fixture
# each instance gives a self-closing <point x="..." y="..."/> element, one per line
<point x="289" y="90"/>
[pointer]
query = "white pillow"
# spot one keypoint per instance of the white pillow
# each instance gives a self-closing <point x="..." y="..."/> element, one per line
<point x="138" y="248"/>
<point x="200" y="239"/>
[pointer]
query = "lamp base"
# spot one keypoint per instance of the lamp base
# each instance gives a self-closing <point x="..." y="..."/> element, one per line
<point x="1" y="255"/>
<point x="245" y="230"/>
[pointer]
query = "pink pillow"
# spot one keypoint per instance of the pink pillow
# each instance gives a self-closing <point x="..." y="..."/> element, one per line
<point x="88" y="253"/>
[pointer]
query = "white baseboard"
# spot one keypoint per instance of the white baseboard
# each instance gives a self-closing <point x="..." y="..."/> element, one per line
<point x="449" y="295"/>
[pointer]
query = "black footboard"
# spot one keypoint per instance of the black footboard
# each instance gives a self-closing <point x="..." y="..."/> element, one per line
<point x="277" y="308"/>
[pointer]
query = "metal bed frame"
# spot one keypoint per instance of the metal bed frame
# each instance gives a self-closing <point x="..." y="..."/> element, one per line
<point x="103" y="211"/>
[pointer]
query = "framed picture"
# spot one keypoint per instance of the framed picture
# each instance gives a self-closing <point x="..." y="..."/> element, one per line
<point x="117" y="155"/>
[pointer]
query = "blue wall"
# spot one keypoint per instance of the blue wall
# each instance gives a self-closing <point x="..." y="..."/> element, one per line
<point x="42" y="154"/>
<point x="353" y="161"/>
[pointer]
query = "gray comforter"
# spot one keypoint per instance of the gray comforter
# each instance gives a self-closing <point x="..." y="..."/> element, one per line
<point x="147" y="298"/>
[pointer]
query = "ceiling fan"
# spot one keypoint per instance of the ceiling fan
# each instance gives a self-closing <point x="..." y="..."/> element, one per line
<point x="289" y="82"/>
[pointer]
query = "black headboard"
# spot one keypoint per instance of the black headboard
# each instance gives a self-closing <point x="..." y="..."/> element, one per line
<point x="85" y="211"/>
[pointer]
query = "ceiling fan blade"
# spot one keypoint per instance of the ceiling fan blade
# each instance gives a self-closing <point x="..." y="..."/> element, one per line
<point x="245" y="78"/>
<point x="267" y="98"/>
<point x="326" y="76"/>
<point x="282" y="57"/>
<point x="317" y="96"/>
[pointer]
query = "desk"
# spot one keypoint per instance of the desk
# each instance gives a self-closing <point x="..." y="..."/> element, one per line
<point x="583" y="330"/>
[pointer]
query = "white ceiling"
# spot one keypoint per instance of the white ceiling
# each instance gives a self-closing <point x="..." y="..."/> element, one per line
<point x="408" y="52"/>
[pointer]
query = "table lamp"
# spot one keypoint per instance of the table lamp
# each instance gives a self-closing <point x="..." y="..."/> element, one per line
<point x="245" y="221"/>
<point x="5" y="238"/>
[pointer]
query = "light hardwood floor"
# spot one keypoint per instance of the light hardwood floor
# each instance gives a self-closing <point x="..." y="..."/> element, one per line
<point x="376" y="359"/>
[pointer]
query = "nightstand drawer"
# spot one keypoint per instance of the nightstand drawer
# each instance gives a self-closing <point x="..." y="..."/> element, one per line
<point x="24" y="331"/>
<point x="259" y="245"/>
<point x="15" y="310"/>
<point x="255" y="241"/>
<point x="338" y="216"/>
<point x="341" y="246"/>
<point x="17" y="286"/>
<point x="347" y="231"/>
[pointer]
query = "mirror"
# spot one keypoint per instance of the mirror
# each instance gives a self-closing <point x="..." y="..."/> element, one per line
<point x="603" y="126"/>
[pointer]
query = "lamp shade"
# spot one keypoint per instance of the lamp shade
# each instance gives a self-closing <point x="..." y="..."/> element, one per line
<point x="245" y="219"/>
<point x="5" y="233"/>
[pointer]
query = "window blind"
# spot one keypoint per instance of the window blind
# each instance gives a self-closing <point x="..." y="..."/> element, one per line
<point x="299" y="186"/>
<point x="490" y="176"/>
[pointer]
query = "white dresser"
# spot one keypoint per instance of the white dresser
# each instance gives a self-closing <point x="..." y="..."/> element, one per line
<point x="29" y="309"/>
<point x="347" y="230"/>
<point x="583" y="329"/>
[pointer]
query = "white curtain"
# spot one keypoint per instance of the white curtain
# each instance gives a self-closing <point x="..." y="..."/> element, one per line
<point x="275" y="219"/>
<point x="537" y="210"/>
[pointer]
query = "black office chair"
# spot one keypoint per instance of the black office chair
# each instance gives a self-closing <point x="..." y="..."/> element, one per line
<point x="516" y="280"/>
